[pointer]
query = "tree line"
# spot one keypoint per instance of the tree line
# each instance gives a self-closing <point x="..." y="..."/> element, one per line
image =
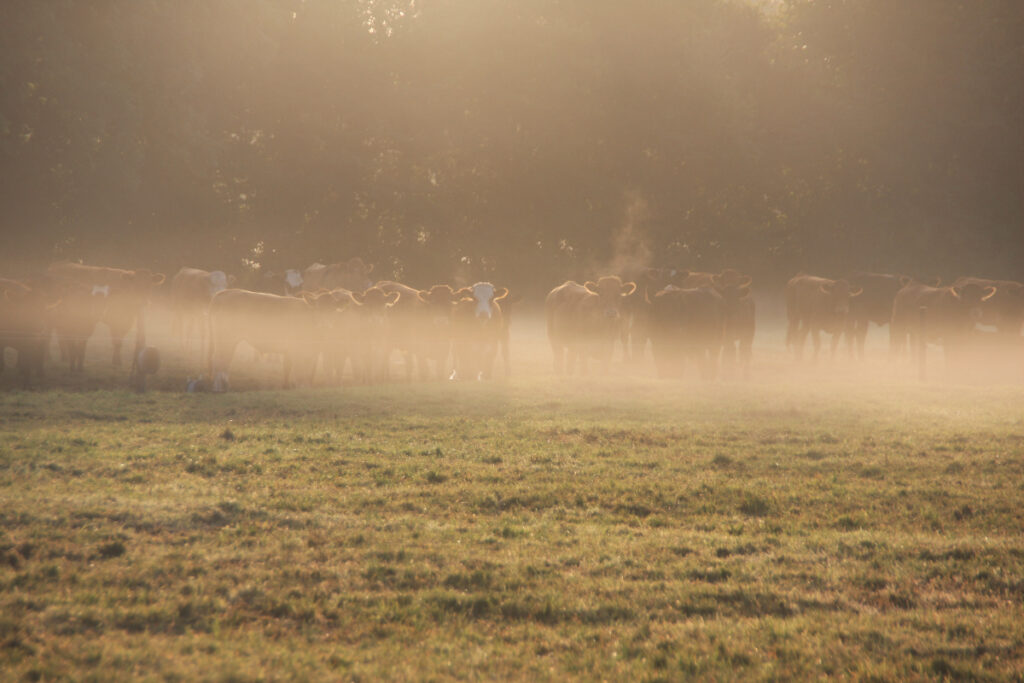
<point x="525" y="141"/>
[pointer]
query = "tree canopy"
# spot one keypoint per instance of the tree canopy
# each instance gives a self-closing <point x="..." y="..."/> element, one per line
<point x="521" y="140"/>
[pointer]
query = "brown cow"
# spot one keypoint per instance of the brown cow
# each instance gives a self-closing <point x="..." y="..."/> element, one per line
<point x="270" y="324"/>
<point x="127" y="292"/>
<point x="686" y="324"/>
<point x="1004" y="310"/>
<point x="420" y="326"/>
<point x="584" y="321"/>
<point x="24" y="326"/>
<point x="921" y="314"/>
<point x="738" y="320"/>
<point x="816" y="304"/>
<point x="191" y="292"/>
<point x="479" y="330"/>
<point x="874" y="305"/>
<point x="353" y="275"/>
<point x="636" y="330"/>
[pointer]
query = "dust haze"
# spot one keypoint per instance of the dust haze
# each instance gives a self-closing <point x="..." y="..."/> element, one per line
<point x="525" y="144"/>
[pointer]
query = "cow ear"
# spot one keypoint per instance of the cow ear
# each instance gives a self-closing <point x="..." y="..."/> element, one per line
<point x="503" y="293"/>
<point x="956" y="291"/>
<point x="158" y="278"/>
<point x="991" y="293"/>
<point x="904" y="280"/>
<point x="745" y="281"/>
<point x="591" y="287"/>
<point x="856" y="291"/>
<point x="743" y="291"/>
<point x="359" y="297"/>
<point x="232" y="280"/>
<point x="309" y="297"/>
<point x="937" y="282"/>
<point x="369" y="268"/>
<point x="628" y="288"/>
<point x="423" y="296"/>
<point x="393" y="297"/>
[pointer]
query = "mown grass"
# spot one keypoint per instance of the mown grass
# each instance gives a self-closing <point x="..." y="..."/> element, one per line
<point x="615" y="528"/>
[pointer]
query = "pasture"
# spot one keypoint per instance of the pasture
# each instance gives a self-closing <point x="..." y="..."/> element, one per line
<point x="801" y="525"/>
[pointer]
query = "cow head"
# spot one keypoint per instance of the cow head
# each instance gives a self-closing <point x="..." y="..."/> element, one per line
<point x="142" y="281"/>
<point x="219" y="281"/>
<point x="731" y="279"/>
<point x="970" y="297"/>
<point x="292" y="279"/>
<point x="839" y="293"/>
<point x="376" y="301"/>
<point x="610" y="291"/>
<point x="484" y="296"/>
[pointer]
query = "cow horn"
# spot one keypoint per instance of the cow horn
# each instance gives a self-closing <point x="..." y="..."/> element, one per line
<point x="504" y="293"/>
<point x="590" y="287"/>
<point x="955" y="291"/>
<point x="394" y="296"/>
<point x="857" y="291"/>
<point x="991" y="293"/>
<point x="631" y="286"/>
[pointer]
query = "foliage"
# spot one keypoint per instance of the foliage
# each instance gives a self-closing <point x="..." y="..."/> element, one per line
<point x="494" y="138"/>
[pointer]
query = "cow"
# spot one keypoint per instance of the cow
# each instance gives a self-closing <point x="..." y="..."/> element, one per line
<point x="128" y="292"/>
<point x="353" y="275"/>
<point x="583" y="321"/>
<point x="270" y="324"/>
<point x="75" y="318"/>
<point x="686" y="324"/>
<point x="738" y="320"/>
<point x="191" y="292"/>
<point x="24" y="326"/>
<point x="922" y="314"/>
<point x="420" y="326"/>
<point x="479" y="331"/>
<point x="636" y="333"/>
<point x="1004" y="310"/>
<point x="874" y="305"/>
<point x="813" y="305"/>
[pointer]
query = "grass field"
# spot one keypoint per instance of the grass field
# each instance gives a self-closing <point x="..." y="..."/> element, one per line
<point x="618" y="528"/>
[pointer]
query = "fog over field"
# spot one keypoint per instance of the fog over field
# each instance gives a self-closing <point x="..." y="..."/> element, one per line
<point x="296" y="295"/>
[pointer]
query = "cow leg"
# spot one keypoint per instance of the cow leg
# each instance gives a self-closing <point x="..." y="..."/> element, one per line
<point x="505" y="356"/>
<point x="834" y="345"/>
<point x="287" y="364"/>
<point x="800" y="338"/>
<point x="816" y="340"/>
<point x="745" y="354"/>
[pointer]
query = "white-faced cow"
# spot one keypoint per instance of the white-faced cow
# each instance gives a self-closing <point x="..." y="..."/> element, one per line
<point x="813" y="305"/>
<point x="270" y="324"/>
<point x="192" y="290"/>
<point x="583" y="321"/>
<point x="479" y="331"/>
<point x="127" y="293"/>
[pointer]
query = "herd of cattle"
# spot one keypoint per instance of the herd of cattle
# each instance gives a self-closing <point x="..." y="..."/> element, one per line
<point x="335" y="317"/>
